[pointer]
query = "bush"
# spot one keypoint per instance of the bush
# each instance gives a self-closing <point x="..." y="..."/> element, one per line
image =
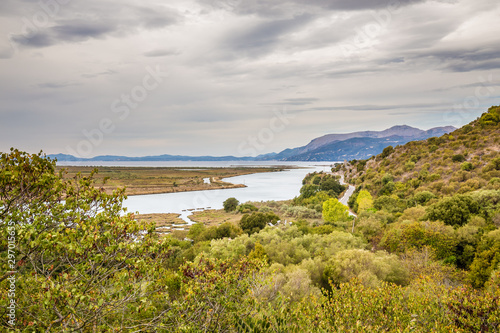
<point x="389" y="204"/>
<point x="246" y="208"/>
<point x="300" y="212"/>
<point x="467" y="166"/>
<point x="257" y="221"/>
<point x="486" y="260"/>
<point x="458" y="158"/>
<point x="230" y="204"/>
<point x="454" y="211"/>
<point x="423" y="197"/>
<point x="387" y="151"/>
<point x="370" y="268"/>
<point x="402" y="237"/>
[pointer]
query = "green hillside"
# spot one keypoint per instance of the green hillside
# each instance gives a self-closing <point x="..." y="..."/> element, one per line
<point x="462" y="161"/>
<point x="441" y="194"/>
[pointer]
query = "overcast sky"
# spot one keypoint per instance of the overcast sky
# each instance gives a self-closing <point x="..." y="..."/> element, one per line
<point x="237" y="77"/>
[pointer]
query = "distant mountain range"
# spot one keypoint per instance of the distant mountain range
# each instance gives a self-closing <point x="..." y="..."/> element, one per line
<point x="358" y="145"/>
<point x="330" y="147"/>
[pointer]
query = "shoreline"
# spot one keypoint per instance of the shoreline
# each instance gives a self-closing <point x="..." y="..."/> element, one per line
<point x="163" y="180"/>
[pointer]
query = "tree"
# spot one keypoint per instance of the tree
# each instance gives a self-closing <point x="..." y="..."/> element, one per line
<point x="332" y="186"/>
<point x="486" y="260"/>
<point x="454" y="211"/>
<point x="387" y="151"/>
<point x="370" y="268"/>
<point x="230" y="204"/>
<point x="364" y="200"/>
<point x="334" y="211"/>
<point x="80" y="264"/>
<point x="308" y="190"/>
<point x="257" y="221"/>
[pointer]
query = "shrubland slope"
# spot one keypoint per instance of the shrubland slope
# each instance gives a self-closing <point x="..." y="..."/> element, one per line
<point x="462" y="161"/>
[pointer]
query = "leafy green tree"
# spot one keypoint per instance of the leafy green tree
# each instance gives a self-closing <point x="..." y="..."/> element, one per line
<point x="387" y="151"/>
<point x="423" y="197"/>
<point x="334" y="211"/>
<point x="401" y="237"/>
<point x="491" y="118"/>
<point x="454" y="211"/>
<point x="332" y="186"/>
<point x="230" y="204"/>
<point x="246" y="208"/>
<point x="370" y="268"/>
<point x="257" y="221"/>
<point x="199" y="233"/>
<point x="81" y="265"/>
<point x="486" y="260"/>
<point x="309" y="190"/>
<point x="390" y="204"/>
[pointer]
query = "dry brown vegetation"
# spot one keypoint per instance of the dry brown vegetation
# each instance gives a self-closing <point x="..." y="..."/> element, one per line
<point x="153" y="180"/>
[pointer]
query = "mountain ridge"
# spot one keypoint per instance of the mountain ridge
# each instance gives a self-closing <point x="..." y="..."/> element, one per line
<point x="398" y="130"/>
<point x="329" y="147"/>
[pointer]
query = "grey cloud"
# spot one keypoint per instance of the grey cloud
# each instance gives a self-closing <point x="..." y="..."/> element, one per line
<point x="300" y="101"/>
<point x="356" y="4"/>
<point x="57" y="85"/>
<point x="78" y="30"/>
<point x="89" y="76"/>
<point x="37" y="40"/>
<point x="264" y="37"/>
<point x="275" y="8"/>
<point x="293" y="101"/>
<point x="488" y="82"/>
<point x="161" y="53"/>
<point x="156" y="18"/>
<point x="90" y="24"/>
<point x="375" y="107"/>
<point x="474" y="66"/>
<point x="464" y="60"/>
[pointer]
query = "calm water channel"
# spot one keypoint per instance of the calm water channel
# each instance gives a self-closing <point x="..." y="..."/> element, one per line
<point x="260" y="187"/>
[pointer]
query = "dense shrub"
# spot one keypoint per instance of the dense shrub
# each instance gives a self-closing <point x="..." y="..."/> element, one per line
<point x="401" y="237"/>
<point x="487" y="258"/>
<point x="257" y="221"/>
<point x="230" y="204"/>
<point x="454" y="211"/>
<point x="246" y="208"/>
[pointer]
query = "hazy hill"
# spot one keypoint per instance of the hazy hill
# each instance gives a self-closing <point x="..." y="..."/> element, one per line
<point x="355" y="148"/>
<point x="162" y="158"/>
<point x="402" y="131"/>
<point x="331" y="147"/>
<point x="358" y="145"/>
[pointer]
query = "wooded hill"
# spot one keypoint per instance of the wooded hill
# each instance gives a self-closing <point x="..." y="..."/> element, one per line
<point x="441" y="194"/>
<point x="462" y="161"/>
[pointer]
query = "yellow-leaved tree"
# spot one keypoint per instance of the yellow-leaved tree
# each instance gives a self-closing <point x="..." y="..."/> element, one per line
<point x="364" y="200"/>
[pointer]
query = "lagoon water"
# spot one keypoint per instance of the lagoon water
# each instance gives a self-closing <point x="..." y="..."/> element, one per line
<point x="266" y="186"/>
